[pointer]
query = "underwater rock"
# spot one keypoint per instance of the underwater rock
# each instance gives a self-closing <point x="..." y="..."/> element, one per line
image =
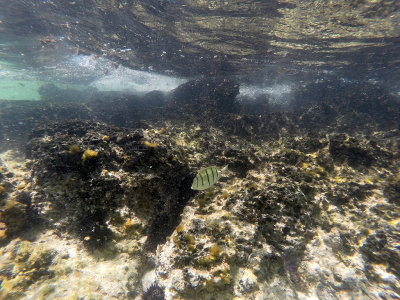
<point x="247" y="282"/>
<point x="358" y="153"/>
<point x="270" y="215"/>
<point x="205" y="101"/>
<point x="154" y="292"/>
<point x="13" y="215"/>
<point x="347" y="106"/>
<point x="208" y="96"/>
<point x="84" y="195"/>
<point x="58" y="266"/>
<point x="15" y="205"/>
<point x="270" y="126"/>
<point x="309" y="144"/>
<point x="120" y="109"/>
<point x="258" y="106"/>
<point x="349" y="192"/>
<point x="378" y="250"/>
<point x="52" y="93"/>
<point x="28" y="265"/>
<point x="281" y="201"/>
<point x="297" y="213"/>
<point x="215" y="96"/>
<point x="392" y="189"/>
<point x="19" y="117"/>
<point x="252" y="221"/>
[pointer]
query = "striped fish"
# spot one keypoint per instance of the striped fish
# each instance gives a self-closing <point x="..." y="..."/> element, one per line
<point x="207" y="177"/>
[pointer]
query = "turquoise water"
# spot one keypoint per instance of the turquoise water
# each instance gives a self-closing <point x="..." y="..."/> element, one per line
<point x="13" y="85"/>
<point x="19" y="89"/>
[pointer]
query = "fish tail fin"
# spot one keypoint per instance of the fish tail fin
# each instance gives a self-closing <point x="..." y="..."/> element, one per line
<point x="224" y="169"/>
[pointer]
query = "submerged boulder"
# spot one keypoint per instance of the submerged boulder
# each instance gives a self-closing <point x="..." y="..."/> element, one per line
<point x="206" y="97"/>
<point x="90" y="177"/>
<point x="346" y="106"/>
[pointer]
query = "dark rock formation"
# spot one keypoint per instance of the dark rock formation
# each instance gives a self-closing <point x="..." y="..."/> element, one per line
<point x="392" y="189"/>
<point x="154" y="293"/>
<point x="347" y="106"/>
<point x="16" y="212"/>
<point x="85" y="171"/>
<point x="18" y="118"/>
<point x="377" y="249"/>
<point x="289" y="192"/>
<point x="357" y="153"/>
<point x="328" y="107"/>
<point x="206" y="97"/>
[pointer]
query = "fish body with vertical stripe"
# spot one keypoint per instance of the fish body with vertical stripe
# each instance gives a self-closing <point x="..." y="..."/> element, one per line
<point x="207" y="177"/>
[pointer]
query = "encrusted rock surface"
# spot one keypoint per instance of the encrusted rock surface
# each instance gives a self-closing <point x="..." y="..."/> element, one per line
<point x="58" y="267"/>
<point x="297" y="225"/>
<point x="90" y="175"/>
<point x="301" y="213"/>
<point x="15" y="203"/>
